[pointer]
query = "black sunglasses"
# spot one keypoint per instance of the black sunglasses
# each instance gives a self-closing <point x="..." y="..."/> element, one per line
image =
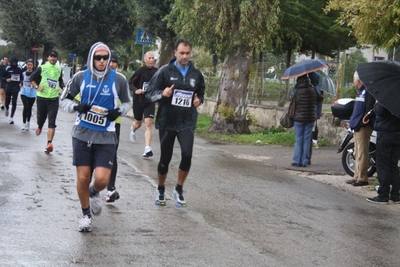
<point x="100" y="57"/>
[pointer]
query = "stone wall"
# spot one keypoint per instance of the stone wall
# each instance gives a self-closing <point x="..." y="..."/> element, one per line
<point x="268" y="115"/>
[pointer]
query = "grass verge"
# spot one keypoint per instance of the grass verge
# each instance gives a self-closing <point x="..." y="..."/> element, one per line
<point x="264" y="136"/>
<point x="259" y="136"/>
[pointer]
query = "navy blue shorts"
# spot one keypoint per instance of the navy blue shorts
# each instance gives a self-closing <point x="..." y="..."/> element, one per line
<point x="95" y="155"/>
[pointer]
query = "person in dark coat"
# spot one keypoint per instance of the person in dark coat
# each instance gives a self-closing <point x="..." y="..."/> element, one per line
<point x="387" y="127"/>
<point x="314" y="134"/>
<point x="306" y="98"/>
<point x="3" y="66"/>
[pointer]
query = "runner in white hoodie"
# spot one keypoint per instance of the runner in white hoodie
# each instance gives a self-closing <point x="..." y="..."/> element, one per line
<point x="93" y="135"/>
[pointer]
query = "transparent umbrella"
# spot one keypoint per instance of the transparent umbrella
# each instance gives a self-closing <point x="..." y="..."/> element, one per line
<point x="326" y="83"/>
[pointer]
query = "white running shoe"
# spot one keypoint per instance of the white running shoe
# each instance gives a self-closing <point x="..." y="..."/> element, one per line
<point x="132" y="136"/>
<point x="180" y="200"/>
<point x="85" y="224"/>
<point x="23" y="128"/>
<point x="6" y="113"/>
<point x="160" y="198"/>
<point x="95" y="204"/>
<point x="147" y="152"/>
<point x="27" y="125"/>
<point x="11" y="121"/>
<point x="112" y="196"/>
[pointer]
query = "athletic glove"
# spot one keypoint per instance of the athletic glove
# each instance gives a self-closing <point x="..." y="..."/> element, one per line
<point x="113" y="114"/>
<point x="82" y="108"/>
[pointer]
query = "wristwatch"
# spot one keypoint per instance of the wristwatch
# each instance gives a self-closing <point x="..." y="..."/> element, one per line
<point x="37" y="86"/>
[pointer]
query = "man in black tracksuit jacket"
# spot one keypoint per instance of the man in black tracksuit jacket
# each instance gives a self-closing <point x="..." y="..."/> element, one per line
<point x="179" y="88"/>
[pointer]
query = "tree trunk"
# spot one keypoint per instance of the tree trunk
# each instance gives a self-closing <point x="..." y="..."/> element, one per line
<point x="230" y="113"/>
<point x="166" y="52"/>
<point x="283" y="98"/>
<point x="47" y="47"/>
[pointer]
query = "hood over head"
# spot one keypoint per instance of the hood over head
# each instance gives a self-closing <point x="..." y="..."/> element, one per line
<point x="99" y="46"/>
<point x="14" y="61"/>
<point x="302" y="78"/>
<point x="114" y="56"/>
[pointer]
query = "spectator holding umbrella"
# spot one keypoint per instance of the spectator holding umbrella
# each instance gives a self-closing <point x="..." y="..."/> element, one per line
<point x="382" y="79"/>
<point x="387" y="127"/>
<point x="306" y="98"/>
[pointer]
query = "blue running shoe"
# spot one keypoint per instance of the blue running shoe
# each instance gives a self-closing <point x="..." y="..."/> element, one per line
<point x="160" y="198"/>
<point x="180" y="200"/>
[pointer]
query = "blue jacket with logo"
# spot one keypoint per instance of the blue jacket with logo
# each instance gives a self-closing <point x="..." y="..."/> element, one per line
<point x="364" y="102"/>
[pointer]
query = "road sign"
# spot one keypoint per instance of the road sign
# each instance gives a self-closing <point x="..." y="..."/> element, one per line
<point x="72" y="55"/>
<point x="35" y="49"/>
<point x="143" y="38"/>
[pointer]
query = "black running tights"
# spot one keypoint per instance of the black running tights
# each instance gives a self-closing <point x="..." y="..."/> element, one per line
<point x="27" y="111"/>
<point x="167" y="139"/>
<point x="14" y="97"/>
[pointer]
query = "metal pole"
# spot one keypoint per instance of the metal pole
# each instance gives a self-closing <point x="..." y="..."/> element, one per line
<point x="76" y="65"/>
<point x="35" y="58"/>
<point x="142" y="55"/>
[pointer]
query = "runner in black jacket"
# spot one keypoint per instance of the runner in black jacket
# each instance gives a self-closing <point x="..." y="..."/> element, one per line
<point x="143" y="107"/>
<point x="13" y="78"/>
<point x="179" y="88"/>
<point x="3" y="67"/>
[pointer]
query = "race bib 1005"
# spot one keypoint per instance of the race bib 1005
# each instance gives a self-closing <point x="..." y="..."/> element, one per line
<point x="95" y="116"/>
<point x="182" y="98"/>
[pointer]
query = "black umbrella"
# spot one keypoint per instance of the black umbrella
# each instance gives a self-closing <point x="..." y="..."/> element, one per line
<point x="382" y="79"/>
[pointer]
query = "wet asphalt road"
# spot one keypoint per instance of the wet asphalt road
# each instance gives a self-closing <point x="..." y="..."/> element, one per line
<point x="244" y="209"/>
